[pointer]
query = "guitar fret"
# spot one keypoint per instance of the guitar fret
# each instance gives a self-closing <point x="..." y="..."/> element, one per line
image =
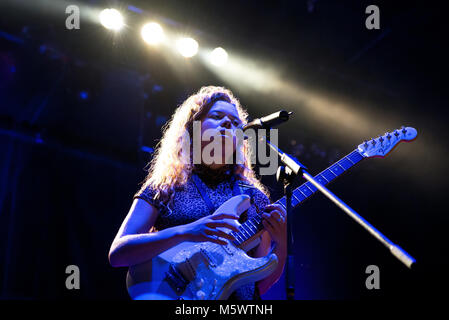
<point x="283" y="205"/>
<point x="281" y="202"/>
<point x="299" y="195"/>
<point x="255" y="228"/>
<point x="294" y="201"/>
<point x="293" y="195"/>
<point x="309" y="187"/>
<point x="349" y="160"/>
<point x="238" y="237"/>
<point x="244" y="231"/>
<point x="256" y="224"/>
<point x="257" y="219"/>
<point x="328" y="175"/>
<point x="345" y="163"/>
<point x="323" y="178"/>
<point x="305" y="190"/>
<point x="250" y="230"/>
<point x="332" y="173"/>
<point x="341" y="166"/>
<point x="305" y="197"/>
<point x="355" y="156"/>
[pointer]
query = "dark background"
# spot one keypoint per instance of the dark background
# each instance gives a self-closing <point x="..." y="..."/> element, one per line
<point x="70" y="166"/>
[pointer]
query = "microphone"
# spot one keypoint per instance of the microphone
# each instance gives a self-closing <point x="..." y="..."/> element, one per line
<point x="269" y="121"/>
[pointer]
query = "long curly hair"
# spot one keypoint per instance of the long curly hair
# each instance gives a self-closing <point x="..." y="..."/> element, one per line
<point x="169" y="169"/>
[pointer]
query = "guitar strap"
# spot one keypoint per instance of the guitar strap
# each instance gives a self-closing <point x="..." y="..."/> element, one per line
<point x="236" y="190"/>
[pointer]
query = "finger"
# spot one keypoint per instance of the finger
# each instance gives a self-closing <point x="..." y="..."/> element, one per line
<point x="275" y="214"/>
<point x="278" y="216"/>
<point x="208" y="231"/>
<point x="268" y="227"/>
<point x="273" y="219"/>
<point x="216" y="240"/>
<point x="224" y="216"/>
<point x="218" y="233"/>
<point x="272" y="206"/>
<point x="267" y="217"/>
<point x="223" y="224"/>
<point x="224" y="235"/>
<point x="276" y="207"/>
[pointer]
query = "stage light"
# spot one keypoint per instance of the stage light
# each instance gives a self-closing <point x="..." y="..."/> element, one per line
<point x="84" y="95"/>
<point x="111" y="19"/>
<point x="187" y="47"/>
<point x="152" y="33"/>
<point x="219" y="56"/>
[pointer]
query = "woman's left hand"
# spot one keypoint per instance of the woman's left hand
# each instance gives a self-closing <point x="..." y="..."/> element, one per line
<point x="275" y="222"/>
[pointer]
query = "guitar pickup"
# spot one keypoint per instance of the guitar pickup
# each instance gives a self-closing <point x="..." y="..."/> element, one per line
<point x="209" y="258"/>
<point x="175" y="279"/>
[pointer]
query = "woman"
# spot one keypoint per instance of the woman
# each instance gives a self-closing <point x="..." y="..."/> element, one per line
<point x="178" y="197"/>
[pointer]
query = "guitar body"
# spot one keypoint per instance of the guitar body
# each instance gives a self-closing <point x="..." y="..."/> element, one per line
<point x="200" y="270"/>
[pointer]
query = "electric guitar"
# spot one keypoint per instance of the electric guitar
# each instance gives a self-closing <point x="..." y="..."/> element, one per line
<point x="209" y="271"/>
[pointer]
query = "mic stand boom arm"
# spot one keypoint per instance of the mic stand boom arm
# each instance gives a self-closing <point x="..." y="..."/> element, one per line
<point x="294" y="168"/>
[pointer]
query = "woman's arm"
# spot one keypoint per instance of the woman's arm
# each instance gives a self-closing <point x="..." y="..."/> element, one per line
<point x="274" y="221"/>
<point x="262" y="250"/>
<point x="133" y="244"/>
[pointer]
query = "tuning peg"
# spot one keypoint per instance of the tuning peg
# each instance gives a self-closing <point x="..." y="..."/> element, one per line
<point x="373" y="142"/>
<point x="381" y="140"/>
<point x="396" y="133"/>
<point x="404" y="131"/>
<point x="366" y="144"/>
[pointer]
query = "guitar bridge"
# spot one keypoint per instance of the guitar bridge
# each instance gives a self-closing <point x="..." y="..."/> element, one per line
<point x="175" y="279"/>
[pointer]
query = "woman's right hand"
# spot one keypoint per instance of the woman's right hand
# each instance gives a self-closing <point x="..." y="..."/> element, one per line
<point x="205" y="229"/>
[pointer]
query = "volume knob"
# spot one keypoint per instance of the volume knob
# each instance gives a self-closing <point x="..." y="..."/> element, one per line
<point x="200" y="295"/>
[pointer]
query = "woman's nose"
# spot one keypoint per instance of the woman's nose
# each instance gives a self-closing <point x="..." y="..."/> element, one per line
<point x="226" y="123"/>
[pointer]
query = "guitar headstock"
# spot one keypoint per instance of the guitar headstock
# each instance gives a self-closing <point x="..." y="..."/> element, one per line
<point x="382" y="145"/>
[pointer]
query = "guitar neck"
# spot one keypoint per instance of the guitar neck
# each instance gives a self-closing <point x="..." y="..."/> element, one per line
<point x="254" y="225"/>
<point x="307" y="189"/>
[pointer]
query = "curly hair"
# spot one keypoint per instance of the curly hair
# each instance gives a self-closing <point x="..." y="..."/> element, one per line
<point x="169" y="150"/>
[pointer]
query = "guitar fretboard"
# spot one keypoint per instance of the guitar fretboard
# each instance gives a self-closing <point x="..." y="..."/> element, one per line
<point x="253" y="225"/>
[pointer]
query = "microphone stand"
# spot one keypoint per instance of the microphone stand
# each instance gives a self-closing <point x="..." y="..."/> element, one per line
<point x="286" y="174"/>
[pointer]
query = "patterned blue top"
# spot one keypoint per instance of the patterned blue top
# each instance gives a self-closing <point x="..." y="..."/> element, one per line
<point x="189" y="206"/>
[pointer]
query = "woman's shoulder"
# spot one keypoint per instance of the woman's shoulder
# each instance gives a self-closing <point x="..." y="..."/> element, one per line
<point x="149" y="194"/>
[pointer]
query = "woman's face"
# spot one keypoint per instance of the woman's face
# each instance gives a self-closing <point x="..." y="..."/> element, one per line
<point x="222" y="119"/>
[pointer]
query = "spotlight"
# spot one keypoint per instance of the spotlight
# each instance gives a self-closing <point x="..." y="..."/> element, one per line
<point x="111" y="19"/>
<point x="152" y="33"/>
<point x="219" y="56"/>
<point x="187" y="47"/>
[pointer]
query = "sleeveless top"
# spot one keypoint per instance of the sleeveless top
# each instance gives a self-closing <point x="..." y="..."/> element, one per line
<point x="188" y="206"/>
